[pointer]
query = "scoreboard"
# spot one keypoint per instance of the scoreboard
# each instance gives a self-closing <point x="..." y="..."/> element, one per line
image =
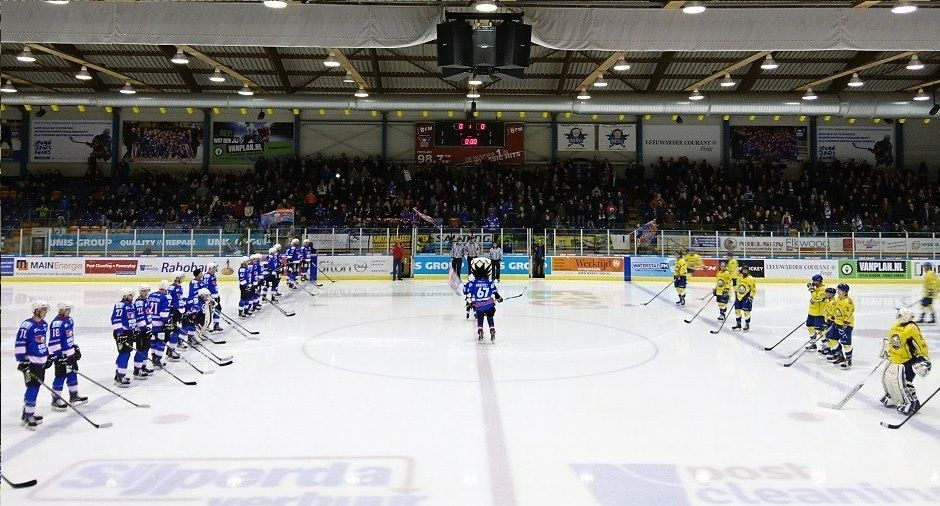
<point x="469" y="142"/>
<point x="469" y="133"/>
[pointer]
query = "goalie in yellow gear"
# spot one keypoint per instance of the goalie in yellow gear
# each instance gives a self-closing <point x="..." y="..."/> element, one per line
<point x="906" y="351"/>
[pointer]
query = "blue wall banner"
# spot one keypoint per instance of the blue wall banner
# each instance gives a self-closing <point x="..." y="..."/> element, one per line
<point x="515" y="265"/>
<point x="660" y="267"/>
<point x="155" y="244"/>
<point x="426" y="265"/>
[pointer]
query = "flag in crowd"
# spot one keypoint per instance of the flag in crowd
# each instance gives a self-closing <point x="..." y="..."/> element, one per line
<point x="646" y="234"/>
<point x="436" y="222"/>
<point x="277" y="216"/>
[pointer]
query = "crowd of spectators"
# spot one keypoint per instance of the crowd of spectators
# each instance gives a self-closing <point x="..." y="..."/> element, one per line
<point x="363" y="192"/>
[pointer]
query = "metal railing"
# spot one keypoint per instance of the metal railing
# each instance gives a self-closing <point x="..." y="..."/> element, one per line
<point x="90" y="241"/>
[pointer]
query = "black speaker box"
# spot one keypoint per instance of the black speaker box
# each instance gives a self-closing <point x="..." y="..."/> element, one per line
<point x="454" y="44"/>
<point x="484" y="47"/>
<point x="513" y="44"/>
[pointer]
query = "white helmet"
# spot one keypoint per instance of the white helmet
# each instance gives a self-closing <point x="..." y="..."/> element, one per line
<point x="277" y="246"/>
<point x="179" y="276"/>
<point x="244" y="260"/>
<point x="256" y="256"/>
<point x="308" y="241"/>
<point x="65" y="305"/>
<point x="164" y="285"/>
<point x="905" y="315"/>
<point x="204" y="292"/>
<point x="144" y="287"/>
<point x="211" y="266"/>
<point x="39" y="305"/>
<point x="272" y="250"/>
<point x="127" y="292"/>
<point x="294" y="242"/>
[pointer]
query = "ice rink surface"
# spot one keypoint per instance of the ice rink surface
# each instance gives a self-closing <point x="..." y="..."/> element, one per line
<point x="377" y="394"/>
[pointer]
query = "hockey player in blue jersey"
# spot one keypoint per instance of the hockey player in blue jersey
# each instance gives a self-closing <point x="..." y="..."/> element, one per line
<point x="177" y="298"/>
<point x="195" y="316"/>
<point x="293" y="255"/>
<point x="65" y="354"/>
<point x="306" y="257"/>
<point x="196" y="283"/>
<point x="257" y="280"/>
<point x="123" y="323"/>
<point x="483" y="295"/>
<point x="163" y="326"/>
<point x="32" y="358"/>
<point x="213" y="285"/>
<point x="142" y="333"/>
<point x="270" y="267"/>
<point x="244" y="288"/>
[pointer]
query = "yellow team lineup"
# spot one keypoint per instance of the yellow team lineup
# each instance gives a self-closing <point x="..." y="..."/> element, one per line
<point x="830" y="321"/>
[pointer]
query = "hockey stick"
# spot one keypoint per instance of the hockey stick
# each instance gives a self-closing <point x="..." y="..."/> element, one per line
<point x="658" y="294"/>
<point x="113" y="392"/>
<point x="898" y="425"/>
<point x="727" y="317"/>
<point x="200" y="371"/>
<point x="327" y="276"/>
<point x="279" y="308"/>
<point x="22" y="484"/>
<point x="852" y="392"/>
<point x="516" y="296"/>
<point x="202" y="331"/>
<point x="700" y="310"/>
<point x="304" y="288"/>
<point x="239" y="325"/>
<point x="177" y="378"/>
<point x="808" y="341"/>
<point x="768" y="348"/>
<point x="67" y="403"/>
<point x="217" y="361"/>
<point x="916" y="300"/>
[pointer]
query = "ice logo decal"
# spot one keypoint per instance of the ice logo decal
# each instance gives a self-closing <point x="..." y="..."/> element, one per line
<point x="633" y="484"/>
<point x="575" y="137"/>
<point x="616" y="137"/>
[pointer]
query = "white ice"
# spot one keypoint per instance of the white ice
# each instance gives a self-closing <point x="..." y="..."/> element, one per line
<point x="377" y="393"/>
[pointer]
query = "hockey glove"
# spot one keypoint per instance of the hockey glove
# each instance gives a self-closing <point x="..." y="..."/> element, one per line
<point x="22" y="366"/>
<point x="49" y="361"/>
<point x="77" y="355"/>
<point x="922" y="367"/>
<point x="499" y="298"/>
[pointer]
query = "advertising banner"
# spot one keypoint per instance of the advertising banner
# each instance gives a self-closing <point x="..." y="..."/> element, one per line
<point x="695" y="142"/>
<point x="593" y="267"/>
<point x="874" y="144"/>
<point x="800" y="269"/>
<point x="660" y="267"/>
<point x="162" y="142"/>
<point x="7" y="265"/>
<point x="49" y="266"/>
<point x="11" y="147"/>
<point x="164" y="266"/>
<point x="149" y="267"/>
<point x="111" y="266"/>
<point x="709" y="269"/>
<point x="756" y="267"/>
<point x="98" y="243"/>
<point x="425" y="265"/>
<point x="759" y="245"/>
<point x="874" y="269"/>
<point x="576" y="137"/>
<point x="372" y="266"/>
<point x="770" y="143"/>
<point x="617" y="137"/>
<point x="244" y="142"/>
<point x="514" y="265"/>
<point x="512" y="152"/>
<point x="69" y="140"/>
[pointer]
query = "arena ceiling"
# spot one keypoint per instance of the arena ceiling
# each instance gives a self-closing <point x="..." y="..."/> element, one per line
<point x="300" y="70"/>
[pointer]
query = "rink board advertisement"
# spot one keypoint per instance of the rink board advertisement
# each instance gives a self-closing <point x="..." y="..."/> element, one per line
<point x="99" y="243"/>
<point x="355" y="266"/>
<point x="874" y="269"/>
<point x="590" y="267"/>
<point x="70" y="141"/>
<point x="439" y="265"/>
<point x="695" y="142"/>
<point x="162" y="141"/>
<point x="244" y="142"/>
<point x="147" y="267"/>
<point x="800" y="269"/>
<point x="874" y="144"/>
<point x="651" y="266"/>
<point x="512" y="152"/>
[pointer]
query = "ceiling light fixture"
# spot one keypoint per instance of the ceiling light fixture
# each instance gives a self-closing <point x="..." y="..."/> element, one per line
<point x="696" y="95"/>
<point x="920" y="96"/>
<point x="83" y="74"/>
<point x="8" y="87"/>
<point x="809" y="95"/>
<point x="600" y="82"/>
<point x="474" y="80"/>
<point x="584" y="95"/>
<point x="180" y="58"/>
<point x="275" y="4"/>
<point x="246" y="90"/>
<point x="727" y="82"/>
<point x="217" y="76"/>
<point x="26" y="55"/>
<point x="856" y="82"/>
<point x="485" y="6"/>
<point x="331" y="62"/>
<point x="769" y="63"/>
<point x="128" y="89"/>
<point x="903" y="7"/>
<point x="915" y="63"/>
<point x="348" y="78"/>
<point x="621" y="65"/>
<point x="57" y="2"/>
<point x="694" y="8"/>
<point x="473" y="93"/>
<point x="361" y="93"/>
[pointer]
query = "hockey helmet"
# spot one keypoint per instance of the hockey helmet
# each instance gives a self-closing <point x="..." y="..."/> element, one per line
<point x="64" y="306"/>
<point x="830" y="291"/>
<point x="927" y="266"/>
<point x="294" y="242"/>
<point x="843" y="287"/>
<point x="211" y="267"/>
<point x="308" y="241"/>
<point x="179" y="276"/>
<point x="204" y="292"/>
<point x="745" y="269"/>
<point x="39" y="305"/>
<point x="817" y="278"/>
<point x="127" y="292"/>
<point x="144" y="288"/>
<point x="244" y="260"/>
<point x="905" y="315"/>
<point x="277" y="246"/>
<point x="164" y="284"/>
<point x="480" y="267"/>
<point x="256" y="256"/>
<point x="272" y="250"/>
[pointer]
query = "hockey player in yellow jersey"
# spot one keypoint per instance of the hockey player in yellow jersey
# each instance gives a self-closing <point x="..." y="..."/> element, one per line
<point x="815" y="322"/>
<point x="906" y="351"/>
<point x="931" y="285"/>
<point x="722" y="290"/>
<point x="830" y="343"/>
<point x="744" y="293"/>
<point x="731" y="264"/>
<point x="680" y="278"/>
<point x="844" y="319"/>
<point x="693" y="261"/>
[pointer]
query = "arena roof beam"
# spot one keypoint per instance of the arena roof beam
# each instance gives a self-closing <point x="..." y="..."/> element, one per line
<point x="275" y="58"/>
<point x="20" y="80"/>
<point x="754" y="73"/>
<point x="851" y="69"/>
<point x="563" y="76"/>
<point x="184" y="72"/>
<point x="70" y="53"/>
<point x="674" y="4"/>
<point x="665" y="60"/>
<point x="436" y="75"/>
<point x="208" y="60"/>
<point x="602" y="67"/>
<point x="729" y="69"/>
<point x="348" y="67"/>
<point x="860" y="58"/>
<point x="374" y="56"/>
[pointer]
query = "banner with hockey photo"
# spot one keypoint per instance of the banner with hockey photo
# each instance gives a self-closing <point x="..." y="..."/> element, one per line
<point x="162" y="142"/>
<point x="70" y="140"/>
<point x="874" y="144"/>
<point x="11" y="148"/>
<point x="769" y="143"/>
<point x="617" y="137"/>
<point x="695" y="142"/>
<point x="577" y="137"/>
<point x="244" y="142"/>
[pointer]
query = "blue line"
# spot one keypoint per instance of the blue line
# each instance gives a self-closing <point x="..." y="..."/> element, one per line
<point x="926" y="429"/>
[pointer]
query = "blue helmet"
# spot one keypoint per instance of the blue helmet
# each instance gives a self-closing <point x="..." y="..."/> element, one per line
<point x="830" y="291"/>
<point x="817" y="278"/>
<point x="927" y="265"/>
<point x="844" y="287"/>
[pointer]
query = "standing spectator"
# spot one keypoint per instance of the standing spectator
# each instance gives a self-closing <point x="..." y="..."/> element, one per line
<point x="496" y="258"/>
<point x="249" y="210"/>
<point x="472" y="250"/>
<point x="538" y="260"/>
<point x="786" y="222"/>
<point x="456" y="256"/>
<point x="398" y="255"/>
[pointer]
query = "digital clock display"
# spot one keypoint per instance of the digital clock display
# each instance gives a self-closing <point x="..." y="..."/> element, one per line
<point x="469" y="133"/>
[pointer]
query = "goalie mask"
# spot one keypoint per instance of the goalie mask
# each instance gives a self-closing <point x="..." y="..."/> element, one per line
<point x="480" y="267"/>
